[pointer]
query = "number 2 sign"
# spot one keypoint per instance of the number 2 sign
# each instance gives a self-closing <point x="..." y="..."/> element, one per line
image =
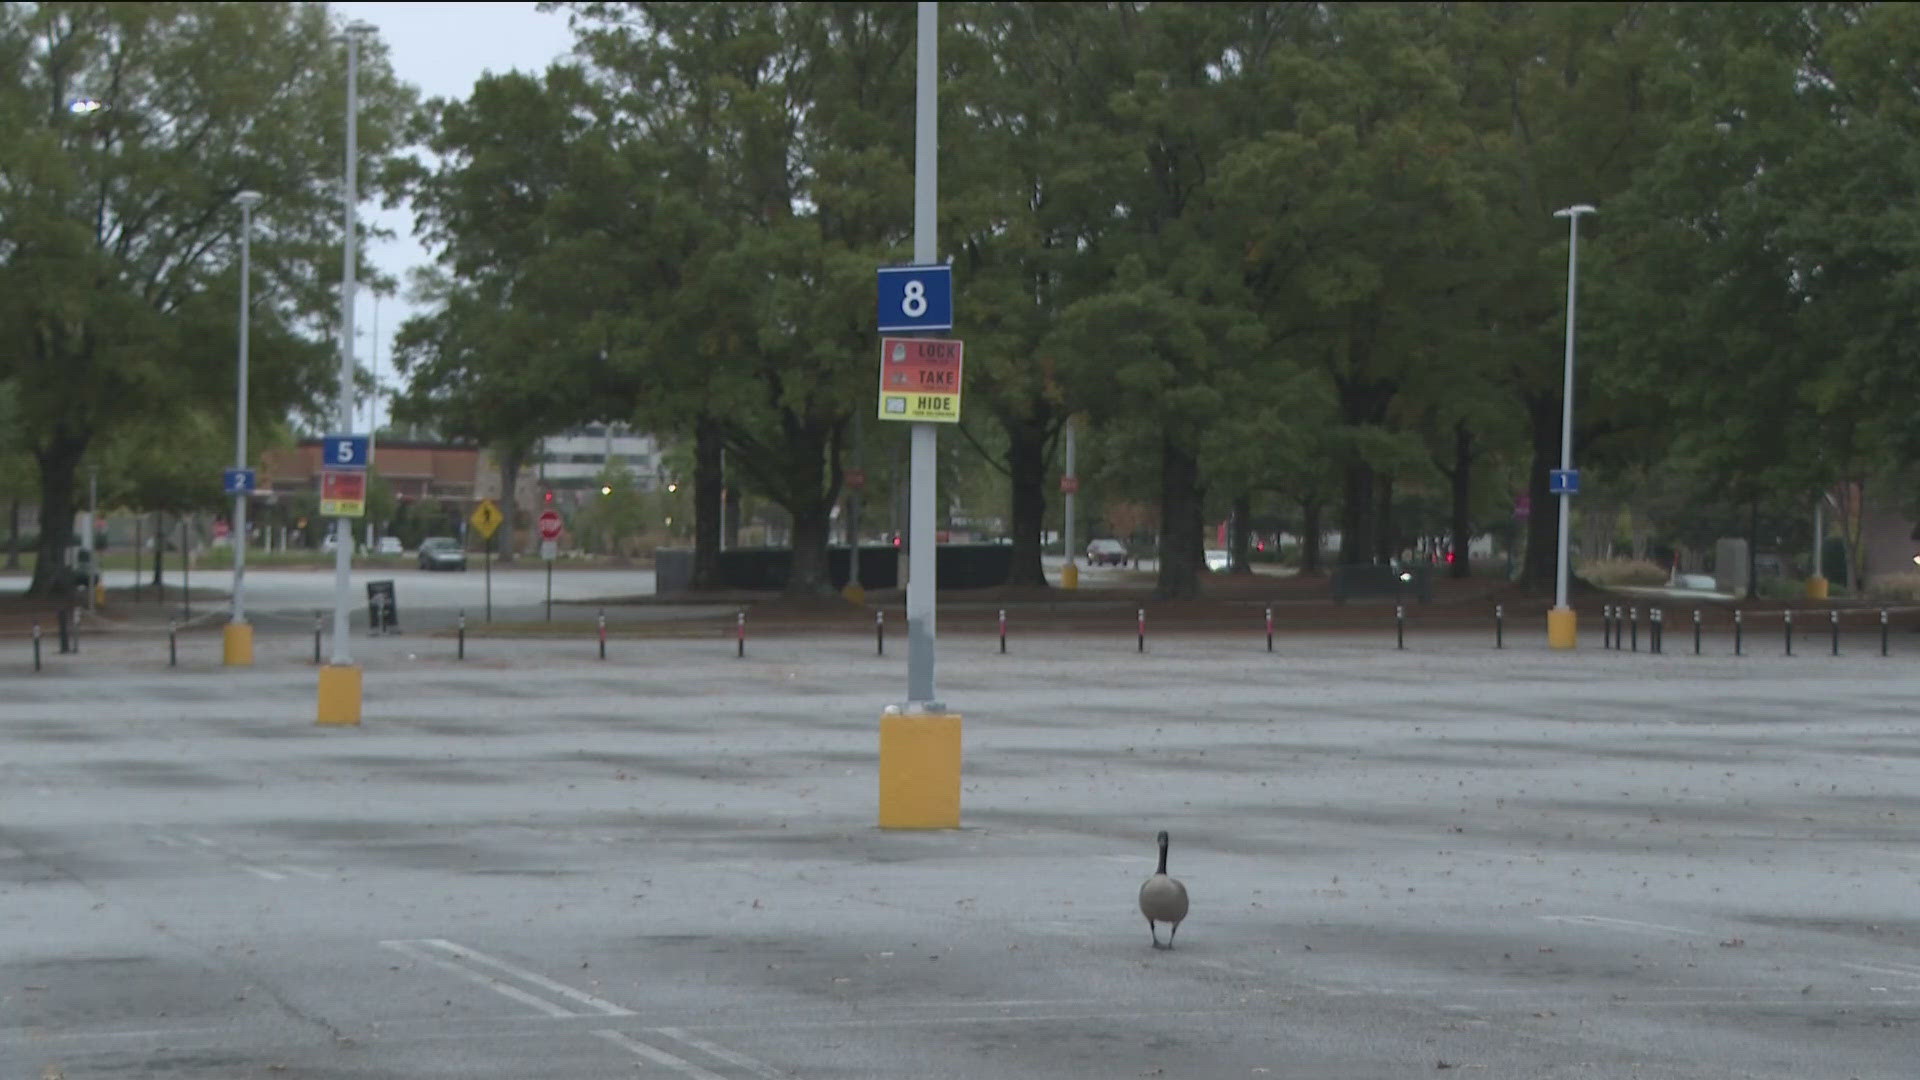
<point x="915" y="298"/>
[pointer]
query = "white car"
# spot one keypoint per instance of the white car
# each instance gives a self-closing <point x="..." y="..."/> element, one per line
<point x="389" y="545"/>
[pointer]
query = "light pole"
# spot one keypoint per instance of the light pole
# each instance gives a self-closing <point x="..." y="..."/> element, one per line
<point x="340" y="690"/>
<point x="238" y="642"/>
<point x="1561" y="624"/>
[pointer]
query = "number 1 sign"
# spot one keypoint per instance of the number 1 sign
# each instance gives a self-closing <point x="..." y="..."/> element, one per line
<point x="915" y="298"/>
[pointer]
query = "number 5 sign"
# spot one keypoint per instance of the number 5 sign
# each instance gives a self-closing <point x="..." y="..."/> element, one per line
<point x="914" y="298"/>
<point x="344" y="452"/>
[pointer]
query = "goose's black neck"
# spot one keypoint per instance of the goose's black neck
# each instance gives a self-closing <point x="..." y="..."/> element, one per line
<point x="1163" y="855"/>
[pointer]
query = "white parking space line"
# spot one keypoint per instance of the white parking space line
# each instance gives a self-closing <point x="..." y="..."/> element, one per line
<point x="600" y="1005"/>
<point x="1623" y="924"/>
<point x="412" y="951"/>
<point x="658" y="1056"/>
<point x="1885" y="969"/>
<point x="226" y="854"/>
<point x="731" y="1057"/>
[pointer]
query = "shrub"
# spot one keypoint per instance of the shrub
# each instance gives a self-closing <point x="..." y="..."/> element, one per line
<point x="1903" y="587"/>
<point x="1608" y="573"/>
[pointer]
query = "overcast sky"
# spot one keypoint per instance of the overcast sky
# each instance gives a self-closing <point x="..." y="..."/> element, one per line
<point x="441" y="49"/>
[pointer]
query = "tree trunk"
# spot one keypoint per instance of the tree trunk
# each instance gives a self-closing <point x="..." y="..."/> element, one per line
<point x="1356" y="515"/>
<point x="812" y="529"/>
<point x="1462" y="480"/>
<point x="709" y="476"/>
<point x="730" y="515"/>
<point x="1385" y="547"/>
<point x="1543" y="526"/>
<point x="1181" y="523"/>
<point x="1240" y="537"/>
<point x="511" y="460"/>
<point x="59" y="461"/>
<point x="1310" y="535"/>
<point x="1027" y="473"/>
<point x="13" y="535"/>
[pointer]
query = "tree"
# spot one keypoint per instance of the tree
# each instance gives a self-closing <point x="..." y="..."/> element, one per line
<point x="131" y="128"/>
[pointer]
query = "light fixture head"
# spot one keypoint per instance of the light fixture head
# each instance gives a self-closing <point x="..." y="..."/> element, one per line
<point x="85" y="106"/>
<point x="1574" y="211"/>
<point x="247" y="200"/>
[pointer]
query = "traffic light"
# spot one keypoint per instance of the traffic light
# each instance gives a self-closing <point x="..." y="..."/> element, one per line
<point x="548" y="497"/>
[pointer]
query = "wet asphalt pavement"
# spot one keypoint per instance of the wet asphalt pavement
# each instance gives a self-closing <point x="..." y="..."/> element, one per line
<point x="1449" y="861"/>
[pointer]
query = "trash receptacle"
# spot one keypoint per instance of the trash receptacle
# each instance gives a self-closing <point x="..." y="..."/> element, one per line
<point x="383" y="614"/>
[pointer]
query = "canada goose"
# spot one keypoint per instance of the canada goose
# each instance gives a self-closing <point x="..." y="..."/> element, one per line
<point x="1163" y="899"/>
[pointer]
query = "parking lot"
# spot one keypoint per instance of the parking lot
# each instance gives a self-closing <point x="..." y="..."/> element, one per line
<point x="1512" y="864"/>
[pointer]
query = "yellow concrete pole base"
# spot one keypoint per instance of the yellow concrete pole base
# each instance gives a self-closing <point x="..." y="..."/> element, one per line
<point x="340" y="694"/>
<point x="236" y="645"/>
<point x="920" y="771"/>
<point x="99" y="594"/>
<point x="1816" y="588"/>
<point x="1070" y="576"/>
<point x="1563" y="628"/>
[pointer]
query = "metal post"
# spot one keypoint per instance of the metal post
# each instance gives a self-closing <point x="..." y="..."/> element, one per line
<point x="1499" y="626"/>
<point x="186" y="569"/>
<point x="342" y="527"/>
<point x="926" y="440"/>
<point x="316" y="637"/>
<point x="1883" y="631"/>
<point x="63" y="623"/>
<point x="740" y="634"/>
<point x="1142" y="622"/>
<point x="1066" y="536"/>
<point x="1737" y="630"/>
<point x="1399" y="626"/>
<point x="1696" y="631"/>
<point x="1789" y="626"/>
<point x="489" y="586"/>
<point x="238" y="537"/>
<point x="1269" y="629"/>
<point x="549" y="590"/>
<point x="879" y="633"/>
<point x="1633" y="626"/>
<point x="36" y="646"/>
<point x="94" y="572"/>
<point x="1003" y="631"/>
<point x="462" y="653"/>
<point x="1659" y="630"/>
<point x="1572" y="214"/>
<point x="1606" y="626"/>
<point x="1833" y="619"/>
<point x="603" y="633"/>
<point x="173" y="643"/>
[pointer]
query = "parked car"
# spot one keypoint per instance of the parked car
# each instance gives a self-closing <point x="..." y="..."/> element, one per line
<point x="389" y="545"/>
<point x="1218" y="561"/>
<point x="442" y="553"/>
<point x="1106" y="553"/>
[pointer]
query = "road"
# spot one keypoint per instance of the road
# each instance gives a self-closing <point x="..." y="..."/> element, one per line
<point x="1515" y="865"/>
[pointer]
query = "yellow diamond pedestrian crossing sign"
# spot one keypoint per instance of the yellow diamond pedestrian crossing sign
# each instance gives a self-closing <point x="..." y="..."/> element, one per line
<point x="486" y="518"/>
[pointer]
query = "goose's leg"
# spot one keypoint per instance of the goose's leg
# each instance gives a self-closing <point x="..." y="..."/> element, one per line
<point x="1151" y="929"/>
<point x="1170" y="933"/>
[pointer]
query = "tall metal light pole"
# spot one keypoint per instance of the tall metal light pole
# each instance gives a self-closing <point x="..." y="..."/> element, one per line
<point x="238" y="650"/>
<point x="926" y="438"/>
<point x="340" y="694"/>
<point x="1561" y="624"/>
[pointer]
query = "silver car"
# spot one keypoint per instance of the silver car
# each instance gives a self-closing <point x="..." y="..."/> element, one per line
<point x="442" y="553"/>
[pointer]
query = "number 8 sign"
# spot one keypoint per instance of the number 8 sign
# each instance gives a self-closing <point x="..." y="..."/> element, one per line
<point x="915" y="298"/>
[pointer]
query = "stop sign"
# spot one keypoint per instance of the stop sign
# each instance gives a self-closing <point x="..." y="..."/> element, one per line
<point x="549" y="524"/>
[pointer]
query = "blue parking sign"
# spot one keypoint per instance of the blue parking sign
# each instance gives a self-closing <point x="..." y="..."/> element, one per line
<point x="237" y="481"/>
<point x="344" y="452"/>
<point x="915" y="298"/>
<point x="1563" y="481"/>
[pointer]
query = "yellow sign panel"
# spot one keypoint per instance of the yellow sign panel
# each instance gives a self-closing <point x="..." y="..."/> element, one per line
<point x="343" y="493"/>
<point x="486" y="518"/>
<point x="920" y="379"/>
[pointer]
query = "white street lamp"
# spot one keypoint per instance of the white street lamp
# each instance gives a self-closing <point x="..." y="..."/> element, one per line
<point x="238" y="650"/>
<point x="1561" y="624"/>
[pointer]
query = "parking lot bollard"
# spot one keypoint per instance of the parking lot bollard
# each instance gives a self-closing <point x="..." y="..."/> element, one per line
<point x="1399" y="626"/>
<point x="1633" y="626"/>
<point x="1737" y="630"/>
<point x="1499" y="626"/>
<point x="602" y="623"/>
<point x="1883" y="631"/>
<point x="316" y="637"/>
<point x="461" y="653"/>
<point x="1833" y="619"/>
<point x="879" y="633"/>
<point x="173" y="643"/>
<point x="1606" y="626"/>
<point x="1003" y="631"/>
<point x="1696" y="631"/>
<point x="1143" y="629"/>
<point x="1789" y="625"/>
<point x="36" y="646"/>
<point x="1269" y="629"/>
<point x="740" y="634"/>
